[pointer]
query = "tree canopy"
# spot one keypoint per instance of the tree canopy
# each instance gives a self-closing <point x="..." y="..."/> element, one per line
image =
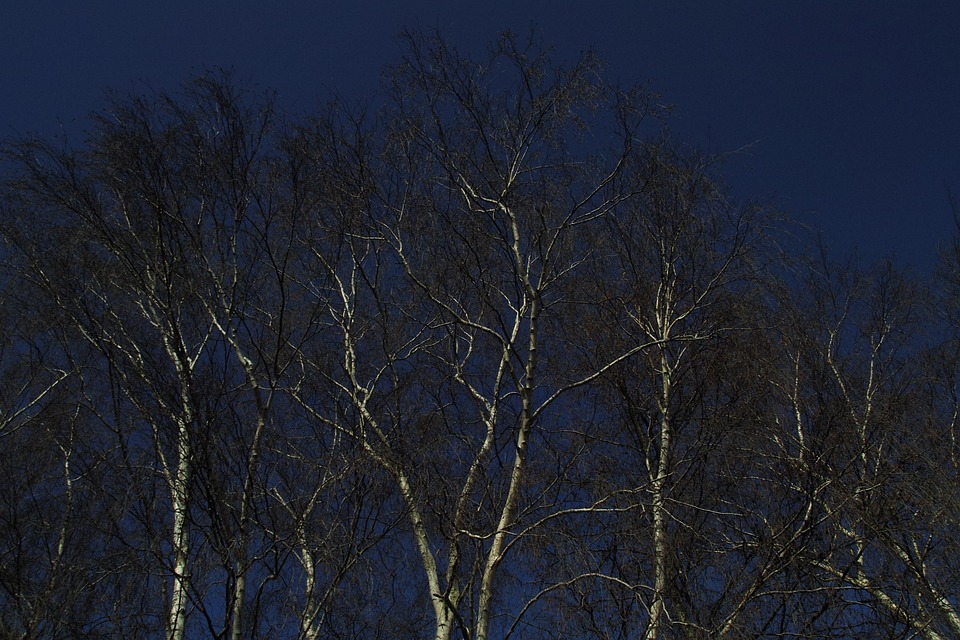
<point x="492" y="357"/>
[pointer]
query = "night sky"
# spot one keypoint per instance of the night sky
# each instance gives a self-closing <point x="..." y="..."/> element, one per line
<point x="851" y="110"/>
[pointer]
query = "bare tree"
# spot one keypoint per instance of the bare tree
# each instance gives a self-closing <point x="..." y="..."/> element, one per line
<point x="490" y="357"/>
<point x="863" y="445"/>
<point x="458" y="282"/>
<point x="173" y="270"/>
<point x="683" y="269"/>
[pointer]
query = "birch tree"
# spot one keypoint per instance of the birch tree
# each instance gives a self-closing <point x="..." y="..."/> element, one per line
<point x="682" y="268"/>
<point x="49" y="498"/>
<point x="867" y="437"/>
<point x="450" y="297"/>
<point x="159" y="217"/>
<point x="487" y="357"/>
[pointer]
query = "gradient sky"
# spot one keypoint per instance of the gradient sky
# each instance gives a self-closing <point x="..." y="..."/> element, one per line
<point x="851" y="109"/>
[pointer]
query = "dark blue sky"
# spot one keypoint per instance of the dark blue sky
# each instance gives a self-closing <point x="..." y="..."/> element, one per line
<point x="852" y="108"/>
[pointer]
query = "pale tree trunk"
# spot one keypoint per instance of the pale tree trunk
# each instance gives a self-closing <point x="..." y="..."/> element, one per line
<point x="517" y="476"/>
<point x="179" y="486"/>
<point x="359" y="395"/>
<point x="658" y="487"/>
<point x="243" y="532"/>
<point x="443" y="615"/>
<point x="660" y="328"/>
<point x="308" y="619"/>
<point x="180" y="496"/>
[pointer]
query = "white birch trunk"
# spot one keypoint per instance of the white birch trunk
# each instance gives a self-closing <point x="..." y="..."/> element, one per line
<point x="180" y="497"/>
<point x="658" y="487"/>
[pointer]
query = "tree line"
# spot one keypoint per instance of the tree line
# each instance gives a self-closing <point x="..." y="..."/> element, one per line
<point x="488" y="357"/>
